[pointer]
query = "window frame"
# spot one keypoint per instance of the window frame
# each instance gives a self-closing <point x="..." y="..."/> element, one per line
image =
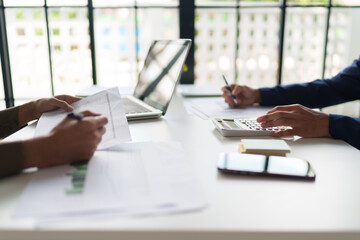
<point x="187" y="9"/>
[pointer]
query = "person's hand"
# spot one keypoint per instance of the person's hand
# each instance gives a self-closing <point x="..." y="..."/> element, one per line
<point x="71" y="140"/>
<point x="245" y="96"/>
<point x="304" y="121"/>
<point x="33" y="110"/>
<point x="57" y="102"/>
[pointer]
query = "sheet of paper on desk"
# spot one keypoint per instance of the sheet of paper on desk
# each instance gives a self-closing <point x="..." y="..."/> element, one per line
<point x="190" y="90"/>
<point x="129" y="179"/>
<point x="208" y="108"/>
<point x="115" y="180"/>
<point x="181" y="182"/>
<point x="107" y="103"/>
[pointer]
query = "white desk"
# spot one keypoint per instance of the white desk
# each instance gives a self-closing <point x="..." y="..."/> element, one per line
<point x="240" y="207"/>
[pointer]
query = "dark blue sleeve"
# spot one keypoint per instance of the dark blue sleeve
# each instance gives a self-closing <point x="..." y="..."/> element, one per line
<point x="345" y="128"/>
<point x="342" y="88"/>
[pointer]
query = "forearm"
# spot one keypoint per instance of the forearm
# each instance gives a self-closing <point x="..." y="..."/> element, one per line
<point x="27" y="113"/>
<point x="9" y="121"/>
<point x="37" y="152"/>
<point x="16" y="156"/>
<point x="316" y="94"/>
<point x="345" y="128"/>
<point x="342" y="88"/>
<point x="12" y="157"/>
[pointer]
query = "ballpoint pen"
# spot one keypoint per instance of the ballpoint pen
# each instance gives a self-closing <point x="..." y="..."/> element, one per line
<point x="77" y="116"/>
<point x="228" y="87"/>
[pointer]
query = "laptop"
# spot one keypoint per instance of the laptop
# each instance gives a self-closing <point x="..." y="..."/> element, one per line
<point x="157" y="80"/>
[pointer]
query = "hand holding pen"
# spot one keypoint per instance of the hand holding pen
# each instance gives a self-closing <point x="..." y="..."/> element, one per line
<point x="240" y="96"/>
<point x="75" y="138"/>
<point x="77" y="116"/>
<point x="229" y="88"/>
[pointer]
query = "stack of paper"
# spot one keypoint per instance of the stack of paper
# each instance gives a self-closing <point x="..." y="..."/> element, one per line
<point x="129" y="179"/>
<point x="106" y="103"/>
<point x="125" y="179"/>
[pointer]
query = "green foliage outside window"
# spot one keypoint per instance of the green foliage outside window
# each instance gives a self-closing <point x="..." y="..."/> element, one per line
<point x="20" y="15"/>
<point x="55" y="15"/>
<point x="72" y="14"/>
<point x="56" y="32"/>
<point x="38" y="31"/>
<point x="38" y="15"/>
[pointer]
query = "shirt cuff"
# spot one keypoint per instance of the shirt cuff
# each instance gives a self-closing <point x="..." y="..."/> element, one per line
<point x="345" y="128"/>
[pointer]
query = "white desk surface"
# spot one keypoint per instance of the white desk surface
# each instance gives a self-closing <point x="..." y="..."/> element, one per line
<point x="239" y="207"/>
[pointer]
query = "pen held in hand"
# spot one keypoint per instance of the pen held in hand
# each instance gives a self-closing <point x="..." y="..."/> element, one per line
<point x="228" y="87"/>
<point x="77" y="116"/>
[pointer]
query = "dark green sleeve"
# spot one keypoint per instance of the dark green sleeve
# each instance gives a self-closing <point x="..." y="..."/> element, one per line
<point x="9" y="121"/>
<point x="11" y="160"/>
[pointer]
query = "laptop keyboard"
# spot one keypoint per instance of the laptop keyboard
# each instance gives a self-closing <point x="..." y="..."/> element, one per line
<point x="132" y="107"/>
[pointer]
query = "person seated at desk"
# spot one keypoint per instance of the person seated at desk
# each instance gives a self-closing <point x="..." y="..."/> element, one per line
<point x="71" y="140"/>
<point x="294" y="101"/>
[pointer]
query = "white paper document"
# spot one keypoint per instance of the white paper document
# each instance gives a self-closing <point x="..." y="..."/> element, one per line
<point x="107" y="103"/>
<point x="208" y="108"/>
<point x="190" y="90"/>
<point x="128" y="179"/>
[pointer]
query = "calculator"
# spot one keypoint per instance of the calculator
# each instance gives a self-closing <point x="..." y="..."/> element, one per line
<point x="243" y="128"/>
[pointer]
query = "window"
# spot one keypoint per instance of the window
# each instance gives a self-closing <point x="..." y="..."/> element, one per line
<point x="28" y="50"/>
<point x="258" y="41"/>
<point x="238" y="39"/>
<point x="215" y="47"/>
<point x="70" y="52"/>
<point x="120" y="49"/>
<point x="249" y="41"/>
<point x="304" y="44"/>
<point x="343" y="39"/>
<point x="115" y="46"/>
<point x="65" y="46"/>
<point x="51" y="48"/>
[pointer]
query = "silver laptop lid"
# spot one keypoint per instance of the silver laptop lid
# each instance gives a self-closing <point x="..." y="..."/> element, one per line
<point x="161" y="72"/>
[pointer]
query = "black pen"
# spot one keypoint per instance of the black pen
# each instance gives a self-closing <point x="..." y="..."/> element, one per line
<point x="228" y="87"/>
<point x="77" y="116"/>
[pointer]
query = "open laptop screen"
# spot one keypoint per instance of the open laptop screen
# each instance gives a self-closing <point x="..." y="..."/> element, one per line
<point x="161" y="72"/>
